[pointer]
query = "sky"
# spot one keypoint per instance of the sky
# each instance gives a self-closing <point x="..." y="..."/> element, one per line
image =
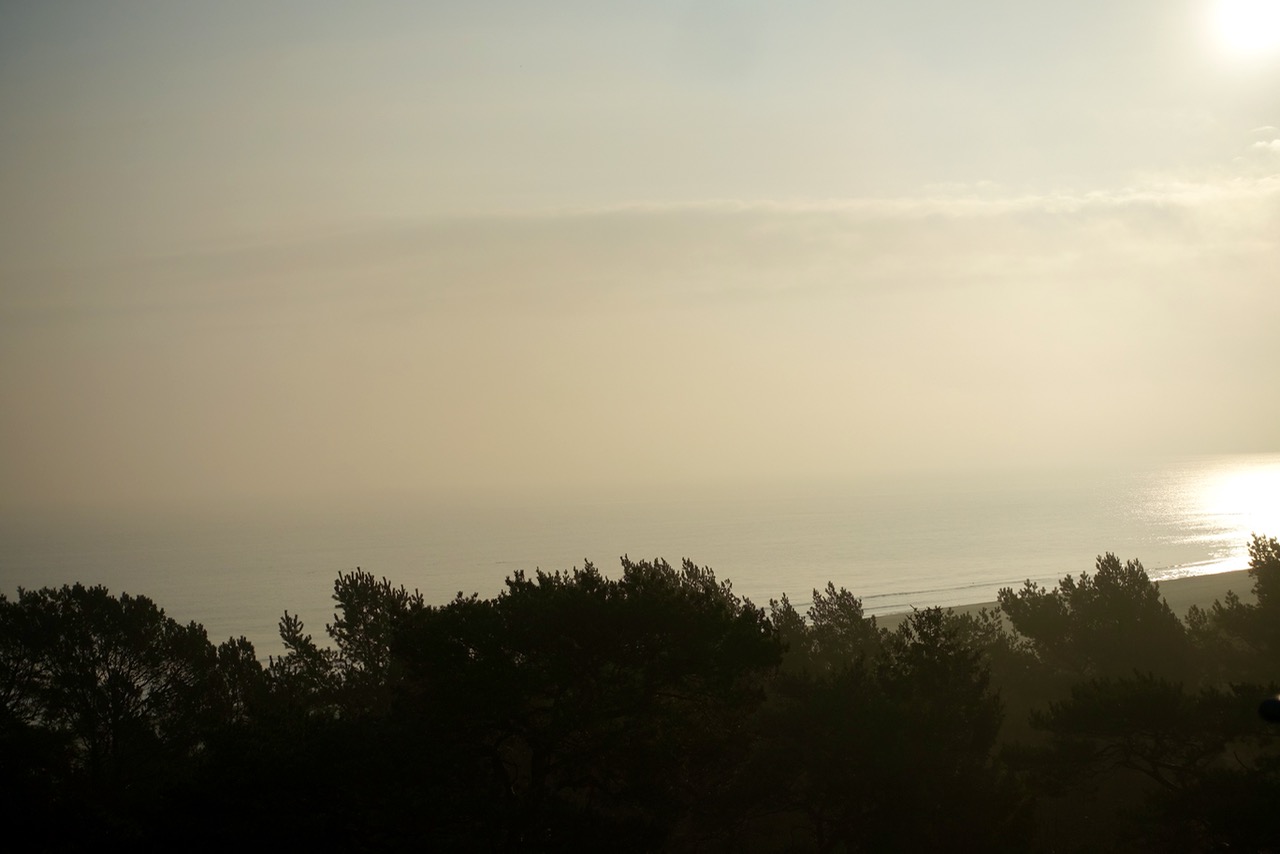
<point x="297" y="251"/>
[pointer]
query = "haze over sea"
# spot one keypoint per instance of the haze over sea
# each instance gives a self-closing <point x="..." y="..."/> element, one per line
<point x="896" y="542"/>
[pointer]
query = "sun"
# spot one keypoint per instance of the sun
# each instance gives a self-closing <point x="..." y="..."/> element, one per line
<point x="1247" y="27"/>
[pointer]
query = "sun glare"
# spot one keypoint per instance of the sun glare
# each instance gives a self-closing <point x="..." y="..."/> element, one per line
<point x="1248" y="27"/>
<point x="1248" y="498"/>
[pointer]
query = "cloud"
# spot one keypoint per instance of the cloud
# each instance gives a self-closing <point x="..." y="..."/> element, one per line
<point x="665" y="256"/>
<point x="1270" y="145"/>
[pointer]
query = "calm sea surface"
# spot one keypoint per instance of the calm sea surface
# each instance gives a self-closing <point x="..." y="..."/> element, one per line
<point x="894" y="542"/>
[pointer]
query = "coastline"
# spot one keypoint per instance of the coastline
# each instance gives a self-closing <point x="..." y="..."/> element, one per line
<point x="1180" y="593"/>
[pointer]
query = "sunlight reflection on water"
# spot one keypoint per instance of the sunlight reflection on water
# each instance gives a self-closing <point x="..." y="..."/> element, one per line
<point x="1217" y="503"/>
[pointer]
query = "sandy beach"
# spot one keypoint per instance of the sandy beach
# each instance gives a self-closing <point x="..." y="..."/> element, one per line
<point x="1180" y="593"/>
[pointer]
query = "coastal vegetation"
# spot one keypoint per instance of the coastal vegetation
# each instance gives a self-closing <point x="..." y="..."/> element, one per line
<point x="654" y="710"/>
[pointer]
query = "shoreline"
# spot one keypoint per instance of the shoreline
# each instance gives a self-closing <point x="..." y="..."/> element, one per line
<point x="1180" y="593"/>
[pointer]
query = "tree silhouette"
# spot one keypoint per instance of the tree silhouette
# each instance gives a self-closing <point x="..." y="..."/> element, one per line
<point x="352" y="677"/>
<point x="653" y="711"/>
<point x="1264" y="568"/>
<point x="1238" y="641"/>
<point x="1112" y="623"/>
<point x="835" y="636"/>
<point x="107" y="697"/>
<point x="593" y="709"/>
<point x="886" y="752"/>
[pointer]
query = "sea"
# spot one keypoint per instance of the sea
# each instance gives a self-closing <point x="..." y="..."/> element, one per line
<point x="897" y="542"/>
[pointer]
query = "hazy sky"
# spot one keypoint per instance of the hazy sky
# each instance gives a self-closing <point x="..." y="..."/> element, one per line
<point x="286" y="250"/>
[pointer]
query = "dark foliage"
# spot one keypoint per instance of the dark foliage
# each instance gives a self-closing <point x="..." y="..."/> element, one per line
<point x="600" y="711"/>
<point x="654" y="711"/>
<point x="889" y="750"/>
<point x="107" y="703"/>
<point x="1160" y="739"/>
<point x="1240" y="642"/>
<point x="1109" y="624"/>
